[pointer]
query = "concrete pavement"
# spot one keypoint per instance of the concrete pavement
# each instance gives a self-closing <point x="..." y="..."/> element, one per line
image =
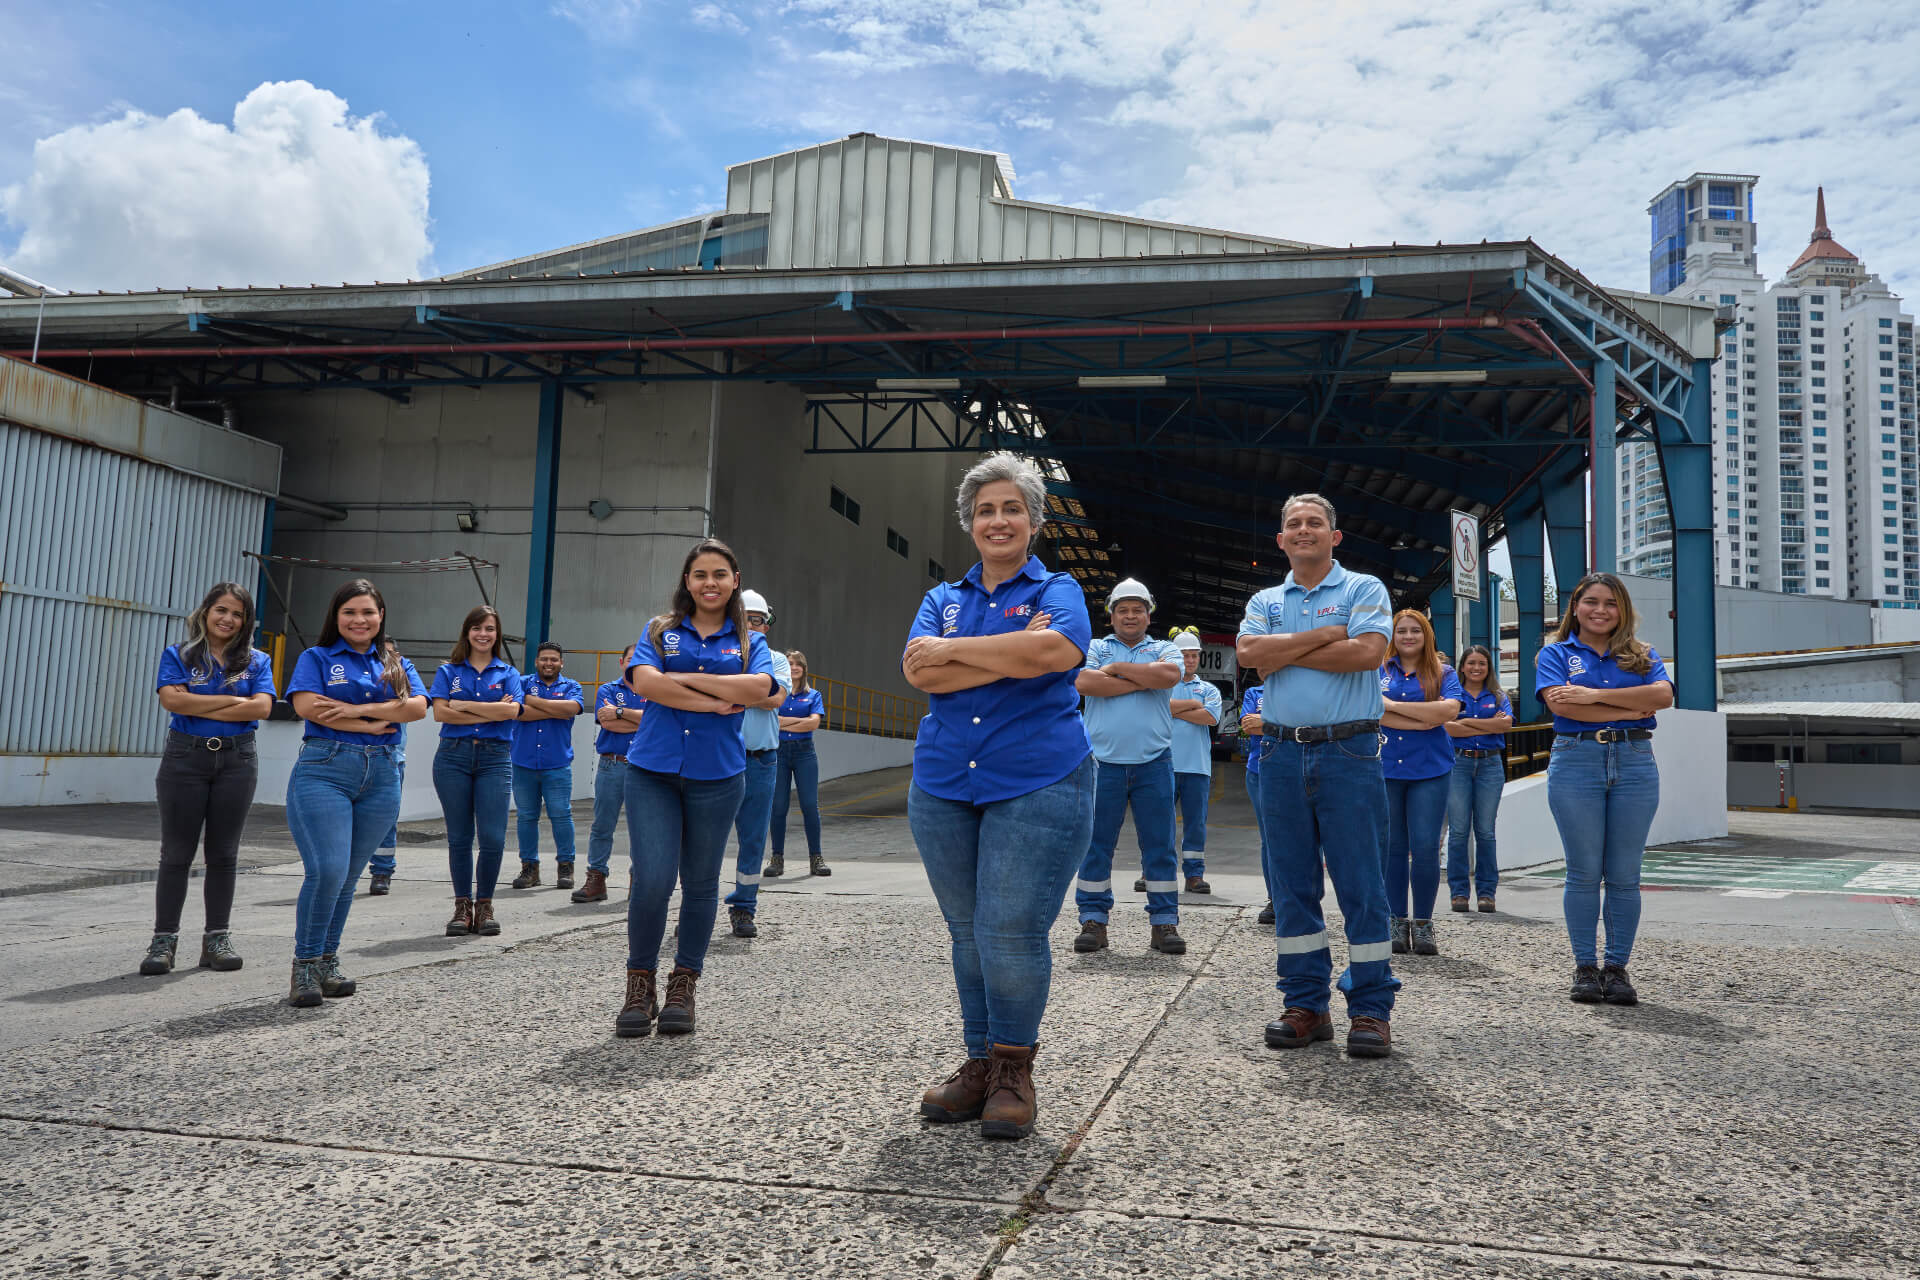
<point x="471" y="1110"/>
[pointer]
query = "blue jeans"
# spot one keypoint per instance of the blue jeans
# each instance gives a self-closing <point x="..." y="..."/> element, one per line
<point x="471" y="777"/>
<point x="1327" y="798"/>
<point x="1603" y="796"/>
<point x="553" y="788"/>
<point x="382" y="862"/>
<point x="799" y="766"/>
<point x="1149" y="789"/>
<point x="609" y="798"/>
<point x="1190" y="793"/>
<point x="1000" y="873"/>
<point x="341" y="798"/>
<point x="1259" y="823"/>
<point x="677" y="830"/>
<point x="1415" y="807"/>
<point x="750" y="828"/>
<point x="1473" y="803"/>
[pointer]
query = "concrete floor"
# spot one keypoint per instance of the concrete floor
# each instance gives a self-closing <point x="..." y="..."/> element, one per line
<point x="471" y="1110"/>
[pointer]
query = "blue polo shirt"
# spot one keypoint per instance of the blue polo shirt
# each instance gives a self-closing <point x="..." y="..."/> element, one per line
<point x="760" y="726"/>
<point x="497" y="682"/>
<point x="1300" y="695"/>
<point x="703" y="746"/>
<point x="797" y="705"/>
<point x="1491" y="702"/>
<point x="546" y="744"/>
<point x="343" y="673"/>
<point x="1134" y="727"/>
<point x="205" y="678"/>
<point x="1193" y="743"/>
<point x="1572" y="661"/>
<point x="1412" y="754"/>
<point x="614" y="693"/>
<point x="1250" y="703"/>
<point x="1008" y="737"/>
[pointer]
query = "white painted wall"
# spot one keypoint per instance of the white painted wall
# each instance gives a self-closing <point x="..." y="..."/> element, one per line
<point x="1828" y="786"/>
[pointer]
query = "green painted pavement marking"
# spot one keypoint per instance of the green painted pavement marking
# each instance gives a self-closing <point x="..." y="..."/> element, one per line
<point x="1701" y="870"/>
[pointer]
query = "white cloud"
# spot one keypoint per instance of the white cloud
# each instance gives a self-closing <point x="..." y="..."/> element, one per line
<point x="715" y="18"/>
<point x="295" y="191"/>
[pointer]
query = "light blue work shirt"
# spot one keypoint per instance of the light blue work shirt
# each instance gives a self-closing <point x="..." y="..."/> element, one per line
<point x="701" y="746"/>
<point x="614" y="693"/>
<point x="343" y="673"/>
<point x="1491" y="702"/>
<point x="796" y="706"/>
<point x="1007" y="737"/>
<point x="546" y="743"/>
<point x="496" y="682"/>
<point x="1301" y="696"/>
<point x="1193" y="743"/>
<point x="1131" y="728"/>
<point x="1412" y="754"/>
<point x="760" y="726"/>
<point x="205" y="678"/>
<point x="1250" y="703"/>
<point x="1573" y="661"/>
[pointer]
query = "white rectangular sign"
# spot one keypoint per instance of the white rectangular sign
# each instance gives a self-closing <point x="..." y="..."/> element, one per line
<point x="1218" y="662"/>
<point x="1464" y="535"/>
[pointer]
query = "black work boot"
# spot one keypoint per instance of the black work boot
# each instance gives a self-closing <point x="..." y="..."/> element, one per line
<point x="742" y="921"/>
<point x="1266" y="912"/>
<point x="676" y="1012"/>
<point x="1400" y="933"/>
<point x="1586" y="985"/>
<point x="1615" y="988"/>
<point x="776" y="867"/>
<point x="563" y="875"/>
<point x="1092" y="937"/>
<point x="217" y="953"/>
<point x="1140" y="885"/>
<point x="529" y="877"/>
<point x="159" y="957"/>
<point x="817" y="865"/>
<point x="1420" y="934"/>
<point x="379" y="885"/>
<point x="1167" y="940"/>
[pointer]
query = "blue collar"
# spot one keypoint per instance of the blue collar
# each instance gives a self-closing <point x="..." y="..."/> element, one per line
<point x="686" y="625"/>
<point x="1334" y="578"/>
<point x="342" y="646"/>
<point x="1574" y="639"/>
<point x="1031" y="569"/>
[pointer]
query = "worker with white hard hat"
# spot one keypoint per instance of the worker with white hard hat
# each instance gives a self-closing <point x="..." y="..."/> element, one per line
<point x="760" y="730"/>
<point x="1196" y="710"/>
<point x="1128" y="680"/>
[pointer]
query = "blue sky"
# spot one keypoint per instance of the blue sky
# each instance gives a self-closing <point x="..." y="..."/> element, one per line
<point x="436" y="136"/>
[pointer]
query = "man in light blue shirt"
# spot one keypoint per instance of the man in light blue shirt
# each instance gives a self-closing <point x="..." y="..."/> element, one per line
<point x="1196" y="710"/>
<point x="1128" y="681"/>
<point x="1317" y="641"/>
<point x="760" y="730"/>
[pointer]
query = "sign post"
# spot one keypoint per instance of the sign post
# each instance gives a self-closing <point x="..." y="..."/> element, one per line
<point x="1468" y="574"/>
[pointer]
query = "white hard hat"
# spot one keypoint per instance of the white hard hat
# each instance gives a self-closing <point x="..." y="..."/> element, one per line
<point x="1129" y="589"/>
<point x="1187" y="640"/>
<point x="754" y="602"/>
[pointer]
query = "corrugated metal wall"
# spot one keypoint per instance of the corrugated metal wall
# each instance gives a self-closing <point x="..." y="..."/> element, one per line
<point x="101" y="558"/>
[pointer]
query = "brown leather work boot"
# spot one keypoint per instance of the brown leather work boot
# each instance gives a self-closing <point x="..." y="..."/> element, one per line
<point x="483" y="922"/>
<point x="1368" y="1038"/>
<point x="958" y="1097"/>
<point x="1092" y="937"/>
<point x="594" y="890"/>
<point x="462" y="923"/>
<point x="676" y="1014"/>
<point x="529" y="877"/>
<point x="637" y="1014"/>
<point x="1010" y="1106"/>
<point x="1167" y="940"/>
<point x="1298" y="1028"/>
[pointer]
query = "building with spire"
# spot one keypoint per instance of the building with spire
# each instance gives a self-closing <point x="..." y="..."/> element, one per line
<point x="1813" y="411"/>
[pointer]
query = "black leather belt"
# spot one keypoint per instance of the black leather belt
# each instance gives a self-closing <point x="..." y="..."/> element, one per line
<point x="209" y="744"/>
<point x="1479" y="751"/>
<point x="757" y="755"/>
<point x="612" y="755"/>
<point x="1613" y="735"/>
<point x="1321" y="732"/>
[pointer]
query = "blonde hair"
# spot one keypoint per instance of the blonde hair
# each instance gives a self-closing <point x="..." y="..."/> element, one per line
<point x="1630" y="653"/>
<point x="806" y="685"/>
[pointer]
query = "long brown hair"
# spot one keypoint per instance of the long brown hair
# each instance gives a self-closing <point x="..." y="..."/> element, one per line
<point x="1630" y="652"/>
<point x="395" y="674"/>
<point x="1427" y="665"/>
<point x="463" y="647"/>
<point x="806" y="685"/>
<point x="239" y="654"/>
<point x="1490" y="684"/>
<point x="682" y="607"/>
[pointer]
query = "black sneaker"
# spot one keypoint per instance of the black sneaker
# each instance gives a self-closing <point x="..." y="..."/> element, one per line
<point x="1586" y="985"/>
<point x="1092" y="937"/>
<point x="742" y="922"/>
<point x="1421" y="936"/>
<point x="563" y="875"/>
<point x="1400" y="933"/>
<point x="1614" y="986"/>
<point x="379" y="886"/>
<point x="1266" y="912"/>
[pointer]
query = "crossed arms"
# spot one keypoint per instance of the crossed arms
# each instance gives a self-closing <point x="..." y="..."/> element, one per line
<point x="1598" y="706"/>
<point x="948" y="664"/>
<point x="229" y="707"/>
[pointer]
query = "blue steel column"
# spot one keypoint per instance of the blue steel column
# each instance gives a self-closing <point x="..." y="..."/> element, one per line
<point x="1687" y="465"/>
<point x="546" y="493"/>
<point x="1525" y="550"/>
<point x="1606" y="494"/>
<point x="1440" y="612"/>
<point x="1565" y="502"/>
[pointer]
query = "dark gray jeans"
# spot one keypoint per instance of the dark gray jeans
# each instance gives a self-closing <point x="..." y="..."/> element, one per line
<point x="201" y="791"/>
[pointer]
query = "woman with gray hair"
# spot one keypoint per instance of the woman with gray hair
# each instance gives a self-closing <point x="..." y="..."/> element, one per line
<point x="1001" y="805"/>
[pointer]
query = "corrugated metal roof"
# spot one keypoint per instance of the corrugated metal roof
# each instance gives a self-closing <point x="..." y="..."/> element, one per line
<point x="1876" y="711"/>
<point x="1818" y="657"/>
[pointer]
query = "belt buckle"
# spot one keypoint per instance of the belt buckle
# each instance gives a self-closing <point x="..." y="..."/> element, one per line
<point x="1608" y="735"/>
<point x="1299" y="734"/>
<point x="215" y="743"/>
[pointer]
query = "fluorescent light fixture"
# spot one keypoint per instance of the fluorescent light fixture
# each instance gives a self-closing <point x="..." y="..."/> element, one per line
<point x="1127" y="380"/>
<point x="916" y="384"/>
<point x="1403" y="376"/>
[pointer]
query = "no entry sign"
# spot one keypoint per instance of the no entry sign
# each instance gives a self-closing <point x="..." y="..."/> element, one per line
<point x="1467" y="568"/>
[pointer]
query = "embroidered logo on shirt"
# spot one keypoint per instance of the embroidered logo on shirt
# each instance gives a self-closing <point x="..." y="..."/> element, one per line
<point x="338" y="675"/>
<point x="671" y="642"/>
<point x="1576" y="667"/>
<point x="1331" y="611"/>
<point x="1017" y="611"/>
<point x="456" y="684"/>
<point x="1386" y="684"/>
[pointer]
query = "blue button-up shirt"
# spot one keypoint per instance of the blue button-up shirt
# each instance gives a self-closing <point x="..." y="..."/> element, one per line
<point x="1411" y="754"/>
<point x="497" y="682"/>
<point x="614" y="693"/>
<point x="546" y="743"/>
<point x="1491" y="702"/>
<point x="1572" y="661"/>
<point x="343" y="673"/>
<point x="760" y="726"/>
<point x="1008" y="737"/>
<point x="205" y="678"/>
<point x="1193" y="743"/>
<point x="1299" y="695"/>
<point x="1250" y="703"/>
<point x="797" y="705"/>
<point x="703" y="746"/>
<point x="1131" y="728"/>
